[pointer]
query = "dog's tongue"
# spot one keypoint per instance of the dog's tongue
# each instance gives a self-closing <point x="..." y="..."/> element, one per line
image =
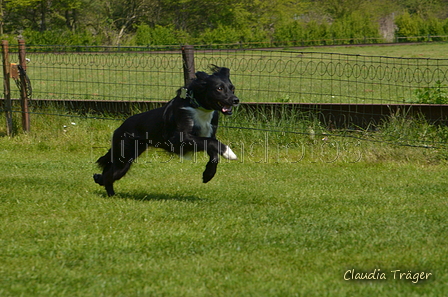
<point x="226" y="109"/>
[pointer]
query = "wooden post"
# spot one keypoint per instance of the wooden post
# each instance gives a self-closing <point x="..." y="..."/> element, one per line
<point x="188" y="63"/>
<point x="23" y="94"/>
<point x="7" y="88"/>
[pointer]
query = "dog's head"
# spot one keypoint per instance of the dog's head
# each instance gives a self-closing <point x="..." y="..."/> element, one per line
<point x="215" y="91"/>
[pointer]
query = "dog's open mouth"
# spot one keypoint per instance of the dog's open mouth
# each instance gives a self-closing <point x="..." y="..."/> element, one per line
<point x="225" y="109"/>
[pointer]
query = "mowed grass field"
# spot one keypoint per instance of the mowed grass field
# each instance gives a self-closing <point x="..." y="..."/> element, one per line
<point x="293" y="220"/>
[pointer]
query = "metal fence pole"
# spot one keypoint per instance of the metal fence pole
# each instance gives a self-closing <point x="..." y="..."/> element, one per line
<point x="7" y="88"/>
<point x="188" y="63"/>
<point x="23" y="94"/>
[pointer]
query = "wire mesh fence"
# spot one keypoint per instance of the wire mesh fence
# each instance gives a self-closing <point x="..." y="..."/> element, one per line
<point x="324" y="83"/>
<point x="105" y="75"/>
<point x="307" y="77"/>
<point x="260" y="75"/>
<point x="310" y="87"/>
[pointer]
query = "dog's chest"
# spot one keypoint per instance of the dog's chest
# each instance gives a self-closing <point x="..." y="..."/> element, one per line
<point x="201" y="121"/>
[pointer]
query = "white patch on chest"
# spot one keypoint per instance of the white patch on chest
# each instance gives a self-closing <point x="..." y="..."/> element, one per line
<point x="202" y="120"/>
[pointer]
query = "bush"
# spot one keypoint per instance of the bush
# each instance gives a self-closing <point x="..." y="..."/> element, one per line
<point x="316" y="32"/>
<point x="355" y="28"/>
<point x="12" y="40"/>
<point x="158" y="35"/>
<point x="221" y="34"/>
<point x="435" y="28"/>
<point x="410" y="27"/>
<point x="253" y="35"/>
<point x="61" y="37"/>
<point x="432" y="95"/>
<point x="291" y="33"/>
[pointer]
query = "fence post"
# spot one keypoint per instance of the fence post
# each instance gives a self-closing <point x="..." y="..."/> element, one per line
<point x="23" y="82"/>
<point x="188" y="63"/>
<point x="7" y="88"/>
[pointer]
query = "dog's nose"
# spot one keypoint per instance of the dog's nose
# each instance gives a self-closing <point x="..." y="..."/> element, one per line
<point x="236" y="101"/>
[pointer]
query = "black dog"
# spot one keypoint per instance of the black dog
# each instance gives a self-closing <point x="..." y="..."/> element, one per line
<point x="185" y="124"/>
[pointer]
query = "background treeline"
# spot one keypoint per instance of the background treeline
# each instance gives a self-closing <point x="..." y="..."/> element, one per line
<point x="166" y="22"/>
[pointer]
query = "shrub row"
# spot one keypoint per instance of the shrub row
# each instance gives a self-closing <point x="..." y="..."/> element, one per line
<point x="416" y="28"/>
<point x="354" y="28"/>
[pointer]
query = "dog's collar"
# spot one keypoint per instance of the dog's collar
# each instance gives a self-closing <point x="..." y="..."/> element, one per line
<point x="184" y="94"/>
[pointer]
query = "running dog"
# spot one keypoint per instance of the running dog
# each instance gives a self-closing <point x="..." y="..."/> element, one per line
<point x="186" y="124"/>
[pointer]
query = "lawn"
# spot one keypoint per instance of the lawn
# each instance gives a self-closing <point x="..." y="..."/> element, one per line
<point x="282" y="221"/>
<point x="435" y="50"/>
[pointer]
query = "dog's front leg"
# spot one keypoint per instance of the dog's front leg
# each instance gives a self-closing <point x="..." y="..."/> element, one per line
<point x="212" y="165"/>
<point x="210" y="170"/>
<point x="185" y="142"/>
<point x="215" y="148"/>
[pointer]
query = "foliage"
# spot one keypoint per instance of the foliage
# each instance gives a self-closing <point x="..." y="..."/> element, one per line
<point x="60" y="37"/>
<point x="417" y="28"/>
<point x="432" y="95"/>
<point x="176" y="21"/>
<point x="158" y="35"/>
<point x="291" y="33"/>
<point x="410" y="25"/>
<point x="230" y="35"/>
<point x="11" y="39"/>
<point x="353" y="28"/>
<point x="221" y="34"/>
<point x="436" y="28"/>
<point x="406" y="128"/>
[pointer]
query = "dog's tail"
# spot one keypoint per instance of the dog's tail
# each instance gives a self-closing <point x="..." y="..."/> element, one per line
<point x="104" y="160"/>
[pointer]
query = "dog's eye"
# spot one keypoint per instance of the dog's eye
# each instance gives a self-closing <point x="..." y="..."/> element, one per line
<point x="219" y="89"/>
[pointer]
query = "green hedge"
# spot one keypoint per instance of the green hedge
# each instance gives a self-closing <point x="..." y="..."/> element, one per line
<point x="352" y="29"/>
<point x="415" y="28"/>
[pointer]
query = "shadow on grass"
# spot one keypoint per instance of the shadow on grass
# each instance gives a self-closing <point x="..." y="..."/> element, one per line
<point x="144" y="196"/>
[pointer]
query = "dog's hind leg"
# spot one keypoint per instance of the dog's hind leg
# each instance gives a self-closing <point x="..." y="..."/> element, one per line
<point x="98" y="178"/>
<point x="106" y="179"/>
<point x="123" y="158"/>
<point x="109" y="186"/>
<point x="111" y="174"/>
<point x="117" y="171"/>
<point x="120" y="172"/>
<point x="104" y="162"/>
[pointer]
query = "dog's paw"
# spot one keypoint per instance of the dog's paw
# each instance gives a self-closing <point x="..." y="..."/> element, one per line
<point x="229" y="154"/>
<point x="209" y="172"/>
<point x="98" y="178"/>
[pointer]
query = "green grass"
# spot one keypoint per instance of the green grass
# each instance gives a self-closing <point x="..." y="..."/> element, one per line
<point x="436" y="50"/>
<point x="286" y="224"/>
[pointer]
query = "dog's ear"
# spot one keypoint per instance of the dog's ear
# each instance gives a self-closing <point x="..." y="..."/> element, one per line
<point x="224" y="71"/>
<point x="200" y="75"/>
<point x="220" y="70"/>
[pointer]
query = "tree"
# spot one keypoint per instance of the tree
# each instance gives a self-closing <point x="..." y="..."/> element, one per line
<point x="339" y="9"/>
<point x="423" y="8"/>
<point x="117" y="21"/>
<point x="2" y="17"/>
<point x="43" y="14"/>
